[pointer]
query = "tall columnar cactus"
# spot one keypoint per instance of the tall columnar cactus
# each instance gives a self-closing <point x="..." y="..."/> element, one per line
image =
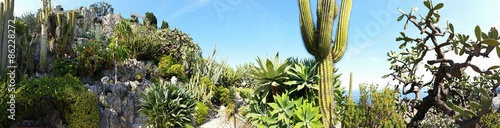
<point x="44" y="15"/>
<point x="64" y="31"/>
<point x="6" y="14"/>
<point x="318" y="43"/>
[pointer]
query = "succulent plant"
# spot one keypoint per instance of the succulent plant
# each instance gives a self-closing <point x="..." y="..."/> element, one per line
<point x="318" y="41"/>
<point x="6" y="14"/>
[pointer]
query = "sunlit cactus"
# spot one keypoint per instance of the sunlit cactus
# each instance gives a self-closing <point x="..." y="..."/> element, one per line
<point x="46" y="8"/>
<point x="6" y="14"/>
<point x="318" y="42"/>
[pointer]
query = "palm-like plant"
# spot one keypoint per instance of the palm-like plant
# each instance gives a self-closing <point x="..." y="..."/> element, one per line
<point x="167" y="106"/>
<point x="270" y="74"/>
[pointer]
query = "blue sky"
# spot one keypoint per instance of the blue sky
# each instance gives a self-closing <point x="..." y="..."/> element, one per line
<point x="245" y="29"/>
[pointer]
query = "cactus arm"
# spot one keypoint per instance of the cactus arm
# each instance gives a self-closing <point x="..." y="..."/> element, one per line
<point x="307" y="27"/>
<point x="340" y="45"/>
<point x="325" y="14"/>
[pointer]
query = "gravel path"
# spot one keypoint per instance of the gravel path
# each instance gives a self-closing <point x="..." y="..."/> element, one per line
<point x="221" y="121"/>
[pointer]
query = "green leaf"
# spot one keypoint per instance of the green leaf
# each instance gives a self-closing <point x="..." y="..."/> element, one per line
<point x="427" y="4"/>
<point x="451" y="27"/>
<point x="403" y="45"/>
<point x="484" y="36"/>
<point x="438" y="6"/>
<point x="475" y="105"/>
<point x="401" y="17"/>
<point x="494" y="33"/>
<point x="402" y="12"/>
<point x="494" y="67"/>
<point x="477" y="31"/>
<point x="491" y="42"/>
<point x="498" y="51"/>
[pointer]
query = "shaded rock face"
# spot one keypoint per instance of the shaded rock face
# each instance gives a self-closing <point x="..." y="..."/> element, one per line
<point x="119" y="103"/>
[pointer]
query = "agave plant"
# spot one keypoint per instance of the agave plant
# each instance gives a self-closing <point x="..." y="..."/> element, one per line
<point x="282" y="109"/>
<point x="307" y="116"/>
<point x="270" y="74"/>
<point x="167" y="106"/>
<point x="301" y="76"/>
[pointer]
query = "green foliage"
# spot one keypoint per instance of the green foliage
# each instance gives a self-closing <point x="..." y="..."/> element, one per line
<point x="101" y="8"/>
<point x="122" y="30"/>
<point x="169" y="67"/>
<point x="63" y="67"/>
<point x="167" y="106"/>
<point x="245" y="93"/>
<point x="143" y="47"/>
<point x="244" y="70"/>
<point x="176" y="70"/>
<point x="303" y="80"/>
<point x="208" y="83"/>
<point x="270" y="74"/>
<point x="93" y="57"/>
<point x="150" y="20"/>
<point x="375" y="109"/>
<point x="164" y="24"/>
<point x="224" y="96"/>
<point x="490" y="120"/>
<point x="201" y="88"/>
<point x="119" y="52"/>
<point x="448" y="74"/>
<point x="284" y="112"/>
<point x="79" y="107"/>
<point x="201" y="113"/>
<point x="229" y="77"/>
<point x="476" y="110"/>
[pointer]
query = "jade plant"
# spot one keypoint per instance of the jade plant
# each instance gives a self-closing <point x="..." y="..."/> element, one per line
<point x="451" y="89"/>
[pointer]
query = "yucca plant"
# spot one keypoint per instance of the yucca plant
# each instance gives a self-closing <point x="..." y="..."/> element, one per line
<point x="167" y="106"/>
<point x="270" y="74"/>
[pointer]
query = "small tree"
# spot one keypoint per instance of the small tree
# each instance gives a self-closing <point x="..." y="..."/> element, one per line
<point x="164" y="24"/>
<point x="150" y="20"/>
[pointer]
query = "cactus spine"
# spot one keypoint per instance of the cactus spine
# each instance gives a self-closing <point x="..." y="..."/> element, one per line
<point x="44" y="15"/>
<point x="318" y="43"/>
<point x="6" y="14"/>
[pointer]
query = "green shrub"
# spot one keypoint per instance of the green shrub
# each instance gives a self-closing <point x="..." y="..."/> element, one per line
<point x="375" y="109"/>
<point x="177" y="70"/>
<point x="207" y="83"/>
<point x="79" y="107"/>
<point x="169" y="67"/>
<point x="224" y="96"/>
<point x="490" y="120"/>
<point x="167" y="106"/>
<point x="245" y="93"/>
<point x="93" y="56"/>
<point x="201" y="113"/>
<point x="63" y="67"/>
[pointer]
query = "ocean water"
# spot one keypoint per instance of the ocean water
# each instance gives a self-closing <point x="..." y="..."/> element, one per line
<point x="356" y="95"/>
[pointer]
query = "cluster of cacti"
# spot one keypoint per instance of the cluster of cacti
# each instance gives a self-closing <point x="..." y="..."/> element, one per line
<point x="64" y="31"/>
<point x="318" y="41"/>
<point x="476" y="110"/>
<point x="6" y="14"/>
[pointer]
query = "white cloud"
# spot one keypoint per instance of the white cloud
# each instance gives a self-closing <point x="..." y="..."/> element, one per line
<point x="189" y="8"/>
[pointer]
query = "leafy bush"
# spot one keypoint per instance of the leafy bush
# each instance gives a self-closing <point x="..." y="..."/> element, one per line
<point x="201" y="113"/>
<point x="93" y="56"/>
<point x="169" y="67"/>
<point x="490" y="120"/>
<point x="224" y="96"/>
<point x="375" y="109"/>
<point x="79" y="107"/>
<point x="167" y="105"/>
<point x="284" y="112"/>
<point x="207" y="83"/>
<point x="245" y="93"/>
<point x="176" y="70"/>
<point x="63" y="67"/>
